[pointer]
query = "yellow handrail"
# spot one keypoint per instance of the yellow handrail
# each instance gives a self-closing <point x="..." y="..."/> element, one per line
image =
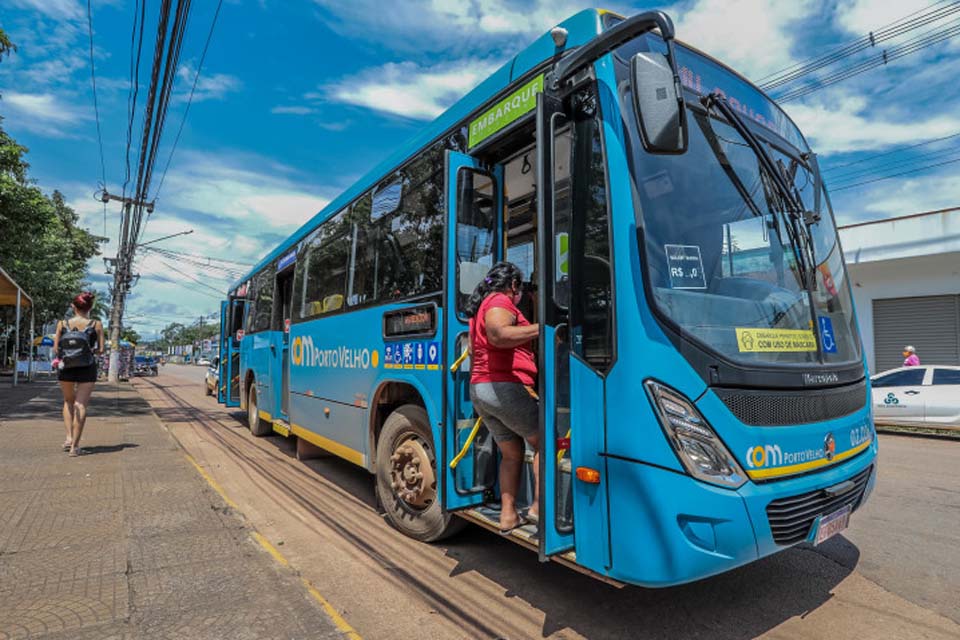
<point x="466" y="445"/>
<point x="459" y="361"/>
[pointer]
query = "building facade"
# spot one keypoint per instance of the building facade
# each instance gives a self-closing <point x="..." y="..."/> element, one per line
<point x="905" y="277"/>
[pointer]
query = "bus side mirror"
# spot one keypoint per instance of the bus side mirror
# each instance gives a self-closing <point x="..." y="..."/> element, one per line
<point x="660" y="111"/>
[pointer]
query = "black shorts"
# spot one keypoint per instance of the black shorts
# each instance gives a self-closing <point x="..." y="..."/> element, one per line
<point x="78" y="374"/>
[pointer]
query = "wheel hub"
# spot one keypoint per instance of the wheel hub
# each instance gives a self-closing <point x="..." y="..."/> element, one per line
<point x="411" y="474"/>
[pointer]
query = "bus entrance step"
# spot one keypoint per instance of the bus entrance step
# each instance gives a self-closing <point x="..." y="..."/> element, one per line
<point x="281" y="427"/>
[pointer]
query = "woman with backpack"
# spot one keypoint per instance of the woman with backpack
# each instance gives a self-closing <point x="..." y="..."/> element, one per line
<point x="75" y="343"/>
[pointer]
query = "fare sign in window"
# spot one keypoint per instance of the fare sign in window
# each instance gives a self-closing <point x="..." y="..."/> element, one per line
<point x="685" y="266"/>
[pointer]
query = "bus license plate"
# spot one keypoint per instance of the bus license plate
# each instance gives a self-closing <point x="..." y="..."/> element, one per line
<point x="832" y="524"/>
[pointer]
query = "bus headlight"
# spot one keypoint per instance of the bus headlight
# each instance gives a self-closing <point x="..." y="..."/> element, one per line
<point x="700" y="450"/>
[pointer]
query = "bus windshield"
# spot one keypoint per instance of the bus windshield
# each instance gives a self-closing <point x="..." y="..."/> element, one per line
<point x="721" y="262"/>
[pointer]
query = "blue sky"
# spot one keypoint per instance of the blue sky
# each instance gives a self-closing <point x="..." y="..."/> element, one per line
<point x="299" y="98"/>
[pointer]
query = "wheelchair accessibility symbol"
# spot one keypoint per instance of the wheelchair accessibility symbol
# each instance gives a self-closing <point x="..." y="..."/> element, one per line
<point x="826" y="335"/>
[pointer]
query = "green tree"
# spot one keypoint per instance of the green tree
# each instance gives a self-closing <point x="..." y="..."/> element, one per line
<point x="131" y="335"/>
<point x="6" y="47"/>
<point x="41" y="246"/>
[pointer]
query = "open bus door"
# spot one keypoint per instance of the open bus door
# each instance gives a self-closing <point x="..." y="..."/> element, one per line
<point x="231" y="333"/>
<point x="553" y="287"/>
<point x="473" y="206"/>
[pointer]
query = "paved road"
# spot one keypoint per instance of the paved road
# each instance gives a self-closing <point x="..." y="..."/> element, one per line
<point x="894" y="574"/>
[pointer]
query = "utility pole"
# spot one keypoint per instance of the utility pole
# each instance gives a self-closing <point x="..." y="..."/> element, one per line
<point x="122" y="276"/>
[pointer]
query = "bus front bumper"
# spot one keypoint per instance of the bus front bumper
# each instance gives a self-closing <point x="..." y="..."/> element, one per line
<point x="667" y="528"/>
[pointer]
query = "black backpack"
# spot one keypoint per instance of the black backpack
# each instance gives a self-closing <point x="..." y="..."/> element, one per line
<point x="76" y="346"/>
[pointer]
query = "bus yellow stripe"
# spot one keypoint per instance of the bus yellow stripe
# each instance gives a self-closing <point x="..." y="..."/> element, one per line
<point x="265" y="416"/>
<point x="806" y="466"/>
<point x="327" y="444"/>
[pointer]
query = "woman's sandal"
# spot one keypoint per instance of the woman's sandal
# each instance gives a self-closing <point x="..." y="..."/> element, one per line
<point x="520" y="523"/>
<point x="67" y="446"/>
<point x="77" y="452"/>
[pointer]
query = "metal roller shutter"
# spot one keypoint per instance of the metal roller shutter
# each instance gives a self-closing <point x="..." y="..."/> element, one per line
<point x="929" y="323"/>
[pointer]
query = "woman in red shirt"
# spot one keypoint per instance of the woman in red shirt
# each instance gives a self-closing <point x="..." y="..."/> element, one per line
<point x="502" y="377"/>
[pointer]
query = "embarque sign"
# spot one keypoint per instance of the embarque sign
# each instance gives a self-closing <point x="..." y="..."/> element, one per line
<point x="517" y="104"/>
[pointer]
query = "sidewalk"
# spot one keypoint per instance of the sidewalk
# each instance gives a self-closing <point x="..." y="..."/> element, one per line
<point x="128" y="541"/>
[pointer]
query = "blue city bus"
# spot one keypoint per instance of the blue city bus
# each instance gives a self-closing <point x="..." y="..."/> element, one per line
<point x="703" y="390"/>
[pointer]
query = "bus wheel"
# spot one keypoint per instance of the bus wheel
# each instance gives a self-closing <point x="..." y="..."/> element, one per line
<point x="258" y="427"/>
<point x="407" y="478"/>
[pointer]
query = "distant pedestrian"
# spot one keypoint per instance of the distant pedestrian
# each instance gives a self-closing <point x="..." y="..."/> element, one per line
<point x="76" y="343"/>
<point x="910" y="357"/>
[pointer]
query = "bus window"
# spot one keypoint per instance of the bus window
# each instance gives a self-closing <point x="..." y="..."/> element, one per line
<point x="476" y="227"/>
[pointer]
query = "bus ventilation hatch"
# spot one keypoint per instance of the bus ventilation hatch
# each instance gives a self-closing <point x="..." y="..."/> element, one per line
<point x="791" y="518"/>
<point x="778" y="408"/>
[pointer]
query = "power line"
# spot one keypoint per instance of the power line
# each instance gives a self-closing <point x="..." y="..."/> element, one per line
<point x="895" y="175"/>
<point x="887" y="32"/>
<point x="890" y="152"/>
<point x="894" y="164"/>
<point x="96" y="106"/>
<point x="187" y="275"/>
<point x="186" y="110"/>
<point x="134" y="88"/>
<point x="919" y="43"/>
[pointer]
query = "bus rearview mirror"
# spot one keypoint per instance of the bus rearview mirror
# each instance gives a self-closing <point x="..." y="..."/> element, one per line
<point x="660" y="112"/>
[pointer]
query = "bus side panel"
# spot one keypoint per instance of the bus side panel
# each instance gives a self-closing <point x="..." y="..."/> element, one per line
<point x="642" y="349"/>
<point x="339" y="363"/>
<point x="590" y="514"/>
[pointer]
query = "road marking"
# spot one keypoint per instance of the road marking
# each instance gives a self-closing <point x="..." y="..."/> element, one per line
<point x="342" y="625"/>
<point x="335" y="616"/>
<point x="213" y="483"/>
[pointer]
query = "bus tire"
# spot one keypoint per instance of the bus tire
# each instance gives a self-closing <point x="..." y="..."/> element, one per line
<point x="258" y="427"/>
<point x="405" y="488"/>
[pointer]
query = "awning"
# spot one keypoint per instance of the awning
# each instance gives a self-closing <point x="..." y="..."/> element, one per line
<point x="43" y="341"/>
<point x="8" y="292"/>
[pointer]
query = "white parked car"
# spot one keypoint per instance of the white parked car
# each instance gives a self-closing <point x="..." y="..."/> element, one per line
<point x="924" y="395"/>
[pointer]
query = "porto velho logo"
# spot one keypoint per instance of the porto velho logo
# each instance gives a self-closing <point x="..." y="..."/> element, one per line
<point x="771" y="455"/>
<point x="303" y="353"/>
<point x="891" y="399"/>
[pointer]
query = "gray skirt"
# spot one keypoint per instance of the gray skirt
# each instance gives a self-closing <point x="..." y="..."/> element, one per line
<point x="507" y="408"/>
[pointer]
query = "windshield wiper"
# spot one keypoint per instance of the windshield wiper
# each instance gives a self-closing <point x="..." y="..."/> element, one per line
<point x="788" y="206"/>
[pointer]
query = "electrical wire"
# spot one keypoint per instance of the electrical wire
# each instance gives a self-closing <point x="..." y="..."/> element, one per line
<point x="890" y="152"/>
<point x="895" y="175"/>
<point x="919" y="43"/>
<point x="887" y="32"/>
<point x="893" y="165"/>
<point x="96" y="105"/>
<point x="183" y="120"/>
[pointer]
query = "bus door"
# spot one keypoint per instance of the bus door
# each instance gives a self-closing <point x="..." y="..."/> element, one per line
<point x="231" y="333"/>
<point x="553" y="288"/>
<point x="473" y="206"/>
<point x="280" y="362"/>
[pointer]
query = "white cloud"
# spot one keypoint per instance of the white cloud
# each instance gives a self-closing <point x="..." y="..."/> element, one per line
<point x="220" y="186"/>
<point x="860" y="17"/>
<point x="754" y="37"/>
<point x="409" y="90"/>
<point x="210" y="86"/>
<point x="440" y="24"/>
<point x="850" y="124"/>
<point x="292" y="110"/>
<point x="59" y="9"/>
<point x="42" y="113"/>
